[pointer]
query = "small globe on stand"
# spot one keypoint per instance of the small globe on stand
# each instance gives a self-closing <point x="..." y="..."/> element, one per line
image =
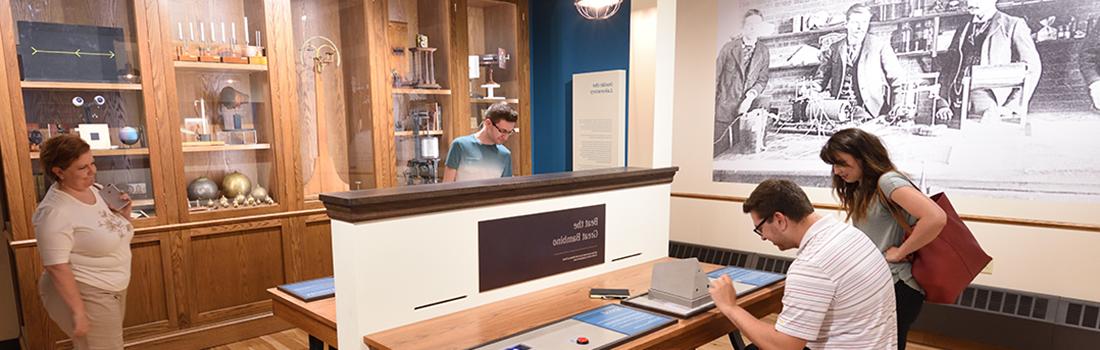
<point x="129" y="136"/>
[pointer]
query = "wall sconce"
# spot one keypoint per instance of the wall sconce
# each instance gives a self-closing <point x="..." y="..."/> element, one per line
<point x="597" y="9"/>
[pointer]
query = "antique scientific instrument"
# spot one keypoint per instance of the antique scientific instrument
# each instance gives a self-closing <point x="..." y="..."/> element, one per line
<point x="422" y="169"/>
<point x="423" y="64"/>
<point x="322" y="52"/>
<point x="499" y="60"/>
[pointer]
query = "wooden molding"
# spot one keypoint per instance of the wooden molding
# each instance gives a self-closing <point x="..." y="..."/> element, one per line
<point x="354" y="206"/>
<point x="1062" y="225"/>
<point x="214" y="334"/>
<point x="198" y="224"/>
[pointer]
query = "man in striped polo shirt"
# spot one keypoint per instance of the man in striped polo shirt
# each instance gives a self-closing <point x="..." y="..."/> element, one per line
<point x="838" y="295"/>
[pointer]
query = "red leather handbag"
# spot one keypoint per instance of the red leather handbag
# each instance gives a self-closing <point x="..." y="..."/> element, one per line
<point x="947" y="265"/>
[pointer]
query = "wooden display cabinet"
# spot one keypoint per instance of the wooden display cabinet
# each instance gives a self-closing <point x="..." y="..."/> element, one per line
<point x="342" y="141"/>
<point x="228" y="133"/>
<point x="335" y="149"/>
<point x="98" y="92"/>
<point x="198" y="274"/>
<point x="419" y="49"/>
<point x="88" y="68"/>
<point x="491" y="50"/>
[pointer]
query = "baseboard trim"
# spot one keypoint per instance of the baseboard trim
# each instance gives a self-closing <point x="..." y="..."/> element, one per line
<point x="982" y="318"/>
<point x="944" y="342"/>
<point x="214" y="334"/>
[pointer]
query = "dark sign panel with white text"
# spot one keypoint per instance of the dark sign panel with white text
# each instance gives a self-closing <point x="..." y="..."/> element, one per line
<point x="523" y="248"/>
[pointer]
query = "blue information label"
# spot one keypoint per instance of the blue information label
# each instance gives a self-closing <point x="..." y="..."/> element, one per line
<point x="312" y="289"/>
<point x="747" y="276"/>
<point x="622" y="319"/>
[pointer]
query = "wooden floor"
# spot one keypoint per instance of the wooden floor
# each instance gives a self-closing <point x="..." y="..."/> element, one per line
<point x="296" y="339"/>
<point x="291" y="339"/>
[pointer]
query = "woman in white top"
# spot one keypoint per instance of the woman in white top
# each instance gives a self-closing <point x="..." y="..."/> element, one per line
<point x="85" y="247"/>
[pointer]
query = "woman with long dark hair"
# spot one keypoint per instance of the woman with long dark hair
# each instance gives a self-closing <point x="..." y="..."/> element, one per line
<point x="872" y="193"/>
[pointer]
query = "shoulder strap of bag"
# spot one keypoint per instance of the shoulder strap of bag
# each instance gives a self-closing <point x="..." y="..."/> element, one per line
<point x="890" y="206"/>
<point x="895" y="209"/>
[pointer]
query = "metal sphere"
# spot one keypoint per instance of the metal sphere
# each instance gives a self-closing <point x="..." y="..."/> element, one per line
<point x="236" y="184"/>
<point x="202" y="188"/>
<point x="259" y="193"/>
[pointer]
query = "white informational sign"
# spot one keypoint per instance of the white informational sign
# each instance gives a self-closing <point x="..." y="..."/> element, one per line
<point x="599" y="120"/>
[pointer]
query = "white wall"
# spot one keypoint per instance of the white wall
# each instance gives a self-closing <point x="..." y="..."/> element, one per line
<point x="1050" y="261"/>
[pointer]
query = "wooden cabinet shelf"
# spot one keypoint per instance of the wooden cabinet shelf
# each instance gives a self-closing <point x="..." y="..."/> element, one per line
<point x="492" y="101"/>
<point x="65" y="85"/>
<point x="424" y="133"/>
<point x="407" y="91"/>
<point x="239" y="208"/>
<point x="143" y="203"/>
<point x="206" y="66"/>
<point x="110" y="152"/>
<point x="220" y="148"/>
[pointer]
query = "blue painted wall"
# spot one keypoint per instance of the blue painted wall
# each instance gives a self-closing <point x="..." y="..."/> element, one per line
<point x="564" y="43"/>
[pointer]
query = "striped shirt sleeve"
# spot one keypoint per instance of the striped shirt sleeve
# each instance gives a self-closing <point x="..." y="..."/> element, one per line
<point x="806" y="300"/>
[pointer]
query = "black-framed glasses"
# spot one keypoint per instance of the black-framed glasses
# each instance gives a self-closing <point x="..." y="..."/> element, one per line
<point x="756" y="229"/>
<point x="502" y="131"/>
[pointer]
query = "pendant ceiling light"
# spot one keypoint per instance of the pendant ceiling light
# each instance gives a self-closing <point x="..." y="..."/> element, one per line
<point x="597" y="9"/>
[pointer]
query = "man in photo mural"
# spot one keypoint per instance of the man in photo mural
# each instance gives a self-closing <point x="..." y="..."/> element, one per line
<point x="860" y="68"/>
<point x="991" y="37"/>
<point x="742" y="77"/>
<point x="1089" y="61"/>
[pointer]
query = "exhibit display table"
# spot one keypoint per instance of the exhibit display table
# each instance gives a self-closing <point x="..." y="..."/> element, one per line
<point x="492" y="321"/>
<point x="409" y="254"/>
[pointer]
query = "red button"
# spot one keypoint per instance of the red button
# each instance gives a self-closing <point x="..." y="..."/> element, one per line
<point x="582" y="341"/>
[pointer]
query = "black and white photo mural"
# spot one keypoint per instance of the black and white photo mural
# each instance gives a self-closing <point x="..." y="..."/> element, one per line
<point x="984" y="97"/>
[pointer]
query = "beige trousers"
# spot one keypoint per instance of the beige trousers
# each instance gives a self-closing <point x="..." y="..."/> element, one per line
<point x="105" y="311"/>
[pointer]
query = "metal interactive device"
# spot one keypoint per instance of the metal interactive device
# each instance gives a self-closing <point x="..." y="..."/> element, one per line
<point x="680" y="288"/>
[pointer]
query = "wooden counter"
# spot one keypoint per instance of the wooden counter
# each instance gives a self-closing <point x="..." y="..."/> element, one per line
<point x="485" y="323"/>
<point x="363" y="205"/>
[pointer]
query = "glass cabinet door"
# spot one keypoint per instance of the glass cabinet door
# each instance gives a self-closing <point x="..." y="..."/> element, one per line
<point x="223" y="93"/>
<point x="80" y="73"/>
<point x="493" y="78"/>
<point x="418" y="32"/>
<point x="334" y="119"/>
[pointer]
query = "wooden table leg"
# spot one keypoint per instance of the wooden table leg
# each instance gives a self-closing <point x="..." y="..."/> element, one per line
<point x="317" y="344"/>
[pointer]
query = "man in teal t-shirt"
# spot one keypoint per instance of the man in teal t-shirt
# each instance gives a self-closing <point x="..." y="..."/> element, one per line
<point x="482" y="155"/>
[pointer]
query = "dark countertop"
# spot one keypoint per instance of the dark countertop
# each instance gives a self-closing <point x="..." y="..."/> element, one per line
<point x="363" y="205"/>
